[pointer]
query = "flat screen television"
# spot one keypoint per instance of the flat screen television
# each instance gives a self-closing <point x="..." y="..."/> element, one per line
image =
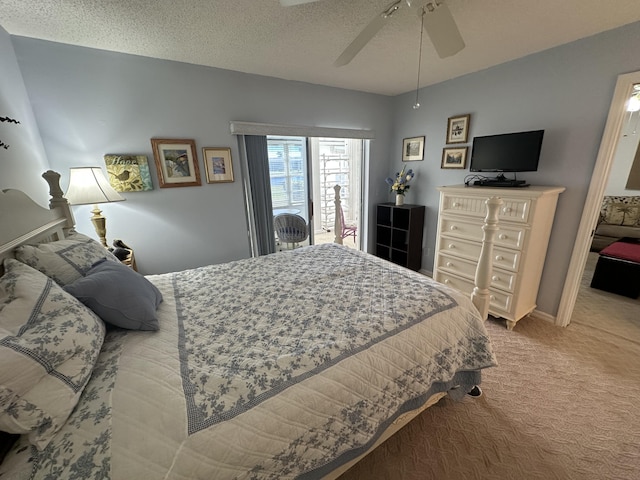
<point x="507" y="152"/>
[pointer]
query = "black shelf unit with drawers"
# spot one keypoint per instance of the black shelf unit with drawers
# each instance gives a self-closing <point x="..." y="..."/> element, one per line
<point x="399" y="234"/>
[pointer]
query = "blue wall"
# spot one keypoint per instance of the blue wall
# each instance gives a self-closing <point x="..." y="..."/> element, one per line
<point x="25" y="159"/>
<point x="566" y="91"/>
<point x="89" y="102"/>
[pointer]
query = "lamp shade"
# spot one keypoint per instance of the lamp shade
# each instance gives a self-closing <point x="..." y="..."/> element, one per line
<point x="88" y="185"/>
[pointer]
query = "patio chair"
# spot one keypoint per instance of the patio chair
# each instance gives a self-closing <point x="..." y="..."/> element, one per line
<point x="347" y="230"/>
<point x="291" y="229"/>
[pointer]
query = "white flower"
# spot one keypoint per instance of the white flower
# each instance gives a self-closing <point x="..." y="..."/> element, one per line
<point x="401" y="182"/>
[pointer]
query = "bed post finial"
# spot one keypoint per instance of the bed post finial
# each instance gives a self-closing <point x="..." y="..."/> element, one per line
<point x="57" y="198"/>
<point x="337" y="226"/>
<point x="480" y="296"/>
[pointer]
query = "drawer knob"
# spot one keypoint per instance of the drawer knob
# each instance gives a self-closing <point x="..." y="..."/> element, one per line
<point x="502" y="236"/>
<point x="453" y="227"/>
<point x="449" y="264"/>
<point x="499" y="257"/>
<point x="495" y="278"/>
<point x="456" y="204"/>
<point x="506" y="209"/>
<point x="492" y="297"/>
<point x="452" y="246"/>
<point x="447" y="282"/>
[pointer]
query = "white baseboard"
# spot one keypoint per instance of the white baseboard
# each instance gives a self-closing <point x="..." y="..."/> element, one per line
<point x="543" y="316"/>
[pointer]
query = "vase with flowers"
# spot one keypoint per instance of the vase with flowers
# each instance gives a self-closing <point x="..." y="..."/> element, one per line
<point x="400" y="184"/>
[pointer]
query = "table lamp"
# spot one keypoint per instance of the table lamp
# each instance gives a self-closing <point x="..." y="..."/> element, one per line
<point x="88" y="185"/>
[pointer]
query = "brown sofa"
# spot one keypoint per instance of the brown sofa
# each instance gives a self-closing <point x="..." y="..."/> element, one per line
<point x="619" y="218"/>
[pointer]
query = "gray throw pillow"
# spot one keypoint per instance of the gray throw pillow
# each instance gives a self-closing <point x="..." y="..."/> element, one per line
<point x="118" y="295"/>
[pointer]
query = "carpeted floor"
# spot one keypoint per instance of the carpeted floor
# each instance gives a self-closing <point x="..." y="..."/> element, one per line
<point x="562" y="404"/>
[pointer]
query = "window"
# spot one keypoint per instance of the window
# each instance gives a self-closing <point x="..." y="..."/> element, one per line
<point x="287" y="171"/>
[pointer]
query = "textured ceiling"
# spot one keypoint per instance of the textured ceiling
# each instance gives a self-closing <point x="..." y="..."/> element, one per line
<point x="302" y="42"/>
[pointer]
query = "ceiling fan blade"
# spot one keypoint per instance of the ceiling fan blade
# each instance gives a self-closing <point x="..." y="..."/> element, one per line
<point x="442" y="30"/>
<point x="369" y="32"/>
<point x="291" y="3"/>
<point x="361" y="40"/>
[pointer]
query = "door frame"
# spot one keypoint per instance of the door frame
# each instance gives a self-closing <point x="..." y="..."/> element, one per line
<point x="593" y="202"/>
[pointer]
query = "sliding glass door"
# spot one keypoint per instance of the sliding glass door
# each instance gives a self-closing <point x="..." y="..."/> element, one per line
<point x="303" y="173"/>
<point x="289" y="180"/>
<point x="337" y="161"/>
<point x="289" y="186"/>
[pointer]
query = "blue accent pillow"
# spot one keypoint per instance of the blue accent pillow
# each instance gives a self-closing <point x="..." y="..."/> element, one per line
<point x="118" y="295"/>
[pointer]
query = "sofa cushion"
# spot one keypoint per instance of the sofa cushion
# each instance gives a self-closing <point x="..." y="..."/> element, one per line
<point x="617" y="231"/>
<point x="623" y="250"/>
<point x="620" y="210"/>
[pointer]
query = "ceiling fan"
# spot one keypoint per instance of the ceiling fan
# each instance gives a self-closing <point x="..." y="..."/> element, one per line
<point x="437" y="20"/>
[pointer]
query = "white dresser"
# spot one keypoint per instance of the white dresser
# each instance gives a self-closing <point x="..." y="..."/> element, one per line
<point x="520" y="245"/>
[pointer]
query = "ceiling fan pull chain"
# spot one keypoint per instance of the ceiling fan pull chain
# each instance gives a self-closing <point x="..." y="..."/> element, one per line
<point x="417" y="104"/>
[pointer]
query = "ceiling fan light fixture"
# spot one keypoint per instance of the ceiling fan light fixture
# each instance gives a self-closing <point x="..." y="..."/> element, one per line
<point x="634" y="103"/>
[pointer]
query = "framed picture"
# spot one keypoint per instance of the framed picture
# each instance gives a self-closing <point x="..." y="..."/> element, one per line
<point x="177" y="162"/>
<point x="454" y="157"/>
<point x="458" y="129"/>
<point x="412" y="149"/>
<point x="217" y="164"/>
<point x="128" y="173"/>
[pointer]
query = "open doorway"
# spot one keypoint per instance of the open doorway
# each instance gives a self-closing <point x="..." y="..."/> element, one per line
<point x="303" y="173"/>
<point x="614" y="130"/>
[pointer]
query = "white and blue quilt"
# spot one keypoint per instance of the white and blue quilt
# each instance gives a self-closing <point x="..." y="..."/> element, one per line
<point x="279" y="367"/>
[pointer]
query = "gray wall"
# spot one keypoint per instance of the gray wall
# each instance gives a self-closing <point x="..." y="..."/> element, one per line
<point x="23" y="162"/>
<point x="90" y="102"/>
<point x="566" y="91"/>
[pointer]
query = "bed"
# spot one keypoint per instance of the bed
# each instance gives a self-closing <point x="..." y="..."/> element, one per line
<point x="225" y="371"/>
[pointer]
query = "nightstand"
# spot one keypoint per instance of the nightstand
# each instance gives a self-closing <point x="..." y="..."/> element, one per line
<point x="124" y="253"/>
<point x="130" y="260"/>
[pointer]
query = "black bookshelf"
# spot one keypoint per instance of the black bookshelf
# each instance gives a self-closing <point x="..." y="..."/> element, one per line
<point x="399" y="234"/>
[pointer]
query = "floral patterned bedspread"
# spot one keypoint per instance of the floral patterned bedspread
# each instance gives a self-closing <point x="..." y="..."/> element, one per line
<point x="283" y="366"/>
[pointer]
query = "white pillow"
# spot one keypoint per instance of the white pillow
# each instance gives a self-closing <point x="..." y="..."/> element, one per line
<point x="64" y="260"/>
<point x="49" y="343"/>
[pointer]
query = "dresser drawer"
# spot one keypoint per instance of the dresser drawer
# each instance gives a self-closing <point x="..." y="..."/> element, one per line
<point x="498" y="302"/>
<point x="506" y="236"/>
<point x="499" y="279"/>
<point x="502" y="258"/>
<point x="512" y="209"/>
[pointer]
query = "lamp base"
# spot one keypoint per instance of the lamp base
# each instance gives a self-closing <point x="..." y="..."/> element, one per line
<point x="100" y="224"/>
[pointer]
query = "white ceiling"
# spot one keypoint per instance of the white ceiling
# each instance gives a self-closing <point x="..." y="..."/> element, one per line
<point x="302" y="42"/>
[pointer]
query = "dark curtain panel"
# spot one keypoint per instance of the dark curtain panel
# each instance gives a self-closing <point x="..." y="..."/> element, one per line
<point x="260" y="185"/>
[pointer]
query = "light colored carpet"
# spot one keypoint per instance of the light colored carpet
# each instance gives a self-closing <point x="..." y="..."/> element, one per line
<point x="562" y="404"/>
<point x="606" y="312"/>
